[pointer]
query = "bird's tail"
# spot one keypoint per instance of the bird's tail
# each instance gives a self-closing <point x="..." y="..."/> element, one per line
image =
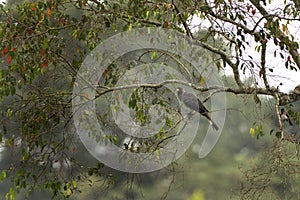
<point x="290" y="122"/>
<point x="212" y="123"/>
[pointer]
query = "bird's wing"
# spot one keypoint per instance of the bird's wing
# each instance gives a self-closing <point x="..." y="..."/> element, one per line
<point x="202" y="108"/>
<point x="192" y="102"/>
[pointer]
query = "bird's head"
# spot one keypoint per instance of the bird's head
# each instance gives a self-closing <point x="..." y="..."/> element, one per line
<point x="179" y="91"/>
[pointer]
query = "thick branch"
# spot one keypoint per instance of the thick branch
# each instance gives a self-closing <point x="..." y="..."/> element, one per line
<point x="263" y="63"/>
<point x="283" y="97"/>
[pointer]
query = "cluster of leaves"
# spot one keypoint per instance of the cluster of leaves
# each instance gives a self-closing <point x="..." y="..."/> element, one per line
<point x="35" y="112"/>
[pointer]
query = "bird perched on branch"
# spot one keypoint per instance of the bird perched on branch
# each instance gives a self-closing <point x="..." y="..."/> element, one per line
<point x="192" y="102"/>
<point x="285" y="116"/>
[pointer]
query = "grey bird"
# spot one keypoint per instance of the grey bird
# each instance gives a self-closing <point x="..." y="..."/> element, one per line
<point x="192" y="102"/>
<point x="285" y="116"/>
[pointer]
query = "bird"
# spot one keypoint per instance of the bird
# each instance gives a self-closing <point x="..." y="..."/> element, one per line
<point x="194" y="103"/>
<point x="285" y="116"/>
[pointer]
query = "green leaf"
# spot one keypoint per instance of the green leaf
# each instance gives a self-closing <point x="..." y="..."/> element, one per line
<point x="45" y="43"/>
<point x="147" y="14"/>
<point x="9" y="113"/>
<point x="218" y="64"/>
<point x="3" y="175"/>
<point x="12" y="54"/>
<point x="154" y="55"/>
<point x="132" y="103"/>
<point x="278" y="134"/>
<point x="201" y="80"/>
<point x="252" y="132"/>
<point x="10" y="195"/>
<point x="6" y="91"/>
<point x="74" y="184"/>
<point x="169" y="122"/>
<point x="12" y="90"/>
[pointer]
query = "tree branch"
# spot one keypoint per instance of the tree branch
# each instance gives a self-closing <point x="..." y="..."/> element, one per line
<point x="283" y="97"/>
<point x="127" y="19"/>
<point x="263" y="63"/>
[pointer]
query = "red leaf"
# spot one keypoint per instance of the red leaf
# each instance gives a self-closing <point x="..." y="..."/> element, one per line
<point x="260" y="73"/>
<point x="4" y="51"/>
<point x="248" y="7"/>
<point x="63" y="21"/>
<point x="33" y="7"/>
<point x="74" y="149"/>
<point x="167" y="24"/>
<point x="45" y="64"/>
<point x="42" y="52"/>
<point x="8" y="60"/>
<point x="49" y="12"/>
